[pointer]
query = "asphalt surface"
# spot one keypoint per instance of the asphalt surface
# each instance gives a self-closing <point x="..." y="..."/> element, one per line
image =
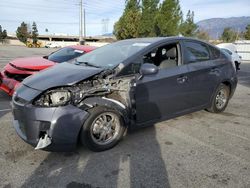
<point x="197" y="150"/>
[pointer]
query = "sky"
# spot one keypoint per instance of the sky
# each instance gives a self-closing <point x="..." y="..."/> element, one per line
<point x="62" y="16"/>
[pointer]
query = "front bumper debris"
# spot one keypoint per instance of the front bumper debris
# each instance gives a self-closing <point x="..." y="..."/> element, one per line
<point x="51" y="129"/>
<point x="43" y="142"/>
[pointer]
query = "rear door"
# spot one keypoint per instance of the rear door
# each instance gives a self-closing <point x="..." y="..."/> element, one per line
<point x="203" y="72"/>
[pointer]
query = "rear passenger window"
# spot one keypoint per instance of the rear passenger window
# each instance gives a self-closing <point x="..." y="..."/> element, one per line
<point x="214" y="52"/>
<point x="196" y="52"/>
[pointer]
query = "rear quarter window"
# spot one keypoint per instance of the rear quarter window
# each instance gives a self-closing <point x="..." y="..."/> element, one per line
<point x="215" y="53"/>
<point x="196" y="52"/>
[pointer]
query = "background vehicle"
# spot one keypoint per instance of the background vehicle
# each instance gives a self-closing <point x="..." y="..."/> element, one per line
<point x="30" y="44"/>
<point x="19" y="69"/>
<point x="52" y="45"/>
<point x="231" y="50"/>
<point x="135" y="82"/>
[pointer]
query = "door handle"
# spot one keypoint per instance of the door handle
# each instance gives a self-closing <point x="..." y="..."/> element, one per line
<point x="182" y="79"/>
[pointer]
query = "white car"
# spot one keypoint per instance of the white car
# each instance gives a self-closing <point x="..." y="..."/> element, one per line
<point x="52" y="45"/>
<point x="231" y="50"/>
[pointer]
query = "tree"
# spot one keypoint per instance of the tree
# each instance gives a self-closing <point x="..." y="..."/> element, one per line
<point x="3" y="34"/>
<point x="127" y="26"/>
<point x="168" y="18"/>
<point x="228" y="35"/>
<point x="188" y="27"/>
<point x="247" y="33"/>
<point x="22" y="32"/>
<point x="147" y="22"/>
<point x="203" y="35"/>
<point x="34" y="33"/>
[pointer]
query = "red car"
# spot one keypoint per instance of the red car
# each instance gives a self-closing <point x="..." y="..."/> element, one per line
<point x="19" y="69"/>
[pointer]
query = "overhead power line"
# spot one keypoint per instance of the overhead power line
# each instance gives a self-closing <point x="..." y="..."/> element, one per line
<point x="19" y="21"/>
<point x="94" y="9"/>
<point x="74" y="6"/>
<point x="105" y="26"/>
<point x="36" y="6"/>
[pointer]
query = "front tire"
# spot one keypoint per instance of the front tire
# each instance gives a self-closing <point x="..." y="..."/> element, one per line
<point x="103" y="129"/>
<point x="220" y="99"/>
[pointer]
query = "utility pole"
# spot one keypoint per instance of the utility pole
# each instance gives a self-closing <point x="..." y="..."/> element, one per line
<point x="80" y="32"/>
<point x="84" y="18"/>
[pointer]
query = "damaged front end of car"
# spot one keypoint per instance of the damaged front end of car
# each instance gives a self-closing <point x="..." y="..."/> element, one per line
<point x="106" y="87"/>
<point x="66" y="108"/>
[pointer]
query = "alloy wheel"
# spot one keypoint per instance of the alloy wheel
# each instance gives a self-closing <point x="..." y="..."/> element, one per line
<point x="105" y="128"/>
<point x="221" y="98"/>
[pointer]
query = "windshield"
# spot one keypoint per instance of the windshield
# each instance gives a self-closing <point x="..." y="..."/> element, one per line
<point x="111" y="55"/>
<point x="65" y="54"/>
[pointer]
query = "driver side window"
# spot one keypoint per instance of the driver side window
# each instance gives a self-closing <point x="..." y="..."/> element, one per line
<point x="163" y="57"/>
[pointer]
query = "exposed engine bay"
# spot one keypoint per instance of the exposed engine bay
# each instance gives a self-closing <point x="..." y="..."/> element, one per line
<point x="118" y="89"/>
<point x="102" y="85"/>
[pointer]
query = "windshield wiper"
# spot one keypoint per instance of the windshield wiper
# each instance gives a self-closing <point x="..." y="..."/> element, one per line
<point x="87" y="64"/>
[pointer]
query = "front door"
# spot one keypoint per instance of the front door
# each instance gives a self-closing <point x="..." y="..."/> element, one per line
<point x="162" y="95"/>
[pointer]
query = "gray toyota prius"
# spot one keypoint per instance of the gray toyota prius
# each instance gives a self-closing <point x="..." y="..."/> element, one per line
<point x="126" y="84"/>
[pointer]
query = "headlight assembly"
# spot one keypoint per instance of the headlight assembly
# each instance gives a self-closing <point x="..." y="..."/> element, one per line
<point x="53" y="98"/>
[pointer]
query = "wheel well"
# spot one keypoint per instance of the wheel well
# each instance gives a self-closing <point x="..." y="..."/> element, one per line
<point x="228" y="84"/>
<point x="114" y="107"/>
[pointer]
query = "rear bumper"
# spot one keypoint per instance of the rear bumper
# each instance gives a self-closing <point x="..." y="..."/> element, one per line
<point x="61" y="124"/>
<point x="8" y="85"/>
<point x="234" y="82"/>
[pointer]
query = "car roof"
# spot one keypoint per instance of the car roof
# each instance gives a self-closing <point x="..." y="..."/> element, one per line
<point x="84" y="48"/>
<point x="154" y="40"/>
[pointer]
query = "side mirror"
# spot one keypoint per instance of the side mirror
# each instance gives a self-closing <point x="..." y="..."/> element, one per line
<point x="148" y="69"/>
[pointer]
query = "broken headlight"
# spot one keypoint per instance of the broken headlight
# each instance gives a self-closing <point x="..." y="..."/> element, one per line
<point x="53" y="98"/>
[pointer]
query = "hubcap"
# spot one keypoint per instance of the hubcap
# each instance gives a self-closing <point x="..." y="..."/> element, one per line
<point x="105" y="128"/>
<point x="221" y="98"/>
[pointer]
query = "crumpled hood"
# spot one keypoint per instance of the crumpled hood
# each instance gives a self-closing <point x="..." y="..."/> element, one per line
<point x="35" y="63"/>
<point x="62" y="74"/>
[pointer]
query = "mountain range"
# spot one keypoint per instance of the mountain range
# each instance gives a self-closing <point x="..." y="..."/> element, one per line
<point x="215" y="26"/>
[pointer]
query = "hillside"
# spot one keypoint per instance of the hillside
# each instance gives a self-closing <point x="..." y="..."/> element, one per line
<point x="215" y="26"/>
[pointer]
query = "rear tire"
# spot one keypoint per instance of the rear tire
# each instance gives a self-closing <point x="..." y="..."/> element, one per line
<point x="220" y="99"/>
<point x="103" y="129"/>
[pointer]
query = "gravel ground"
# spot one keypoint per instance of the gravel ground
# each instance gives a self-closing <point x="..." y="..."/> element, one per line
<point x="196" y="150"/>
